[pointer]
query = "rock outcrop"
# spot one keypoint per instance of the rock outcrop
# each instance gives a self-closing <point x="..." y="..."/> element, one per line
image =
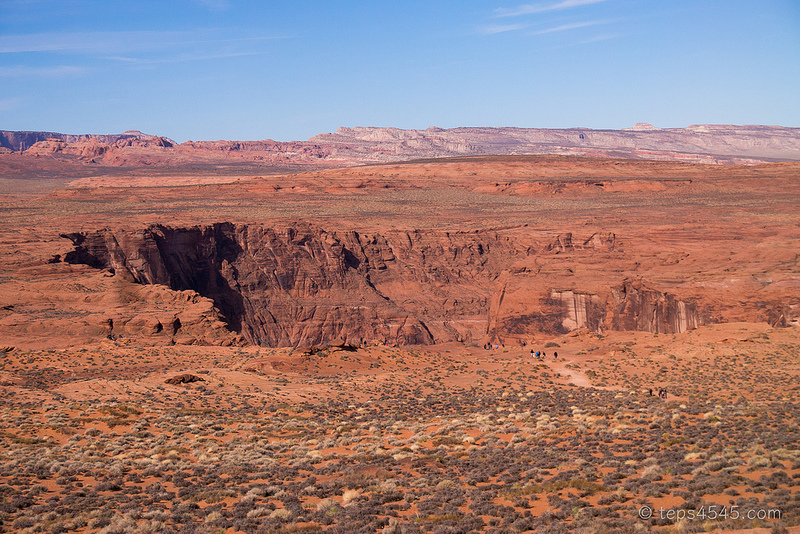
<point x="59" y="304"/>
<point x="185" y="378"/>
<point x="597" y="241"/>
<point x="628" y="306"/>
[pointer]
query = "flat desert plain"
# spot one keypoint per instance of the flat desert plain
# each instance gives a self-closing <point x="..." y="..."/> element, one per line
<point x="351" y="350"/>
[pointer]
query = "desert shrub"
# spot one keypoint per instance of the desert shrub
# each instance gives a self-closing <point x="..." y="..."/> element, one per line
<point x="281" y="514"/>
<point x="259" y="512"/>
<point x="213" y="517"/>
<point x="23" y="522"/>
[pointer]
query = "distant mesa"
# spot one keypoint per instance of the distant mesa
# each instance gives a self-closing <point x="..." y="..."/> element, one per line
<point x="20" y="141"/>
<point x="710" y="144"/>
<point x="643" y="127"/>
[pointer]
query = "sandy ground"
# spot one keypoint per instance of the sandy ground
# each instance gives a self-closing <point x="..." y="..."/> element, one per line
<point x="452" y="435"/>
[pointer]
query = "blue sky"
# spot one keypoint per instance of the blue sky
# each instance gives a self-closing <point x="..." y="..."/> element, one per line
<point x="236" y="69"/>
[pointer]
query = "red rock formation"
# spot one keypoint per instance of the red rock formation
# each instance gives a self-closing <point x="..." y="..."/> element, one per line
<point x="305" y="286"/>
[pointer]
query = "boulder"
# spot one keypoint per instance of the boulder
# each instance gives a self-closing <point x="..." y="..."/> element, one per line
<point x="185" y="378"/>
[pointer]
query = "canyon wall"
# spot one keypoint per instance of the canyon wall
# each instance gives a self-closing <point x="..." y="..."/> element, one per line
<point x="301" y="285"/>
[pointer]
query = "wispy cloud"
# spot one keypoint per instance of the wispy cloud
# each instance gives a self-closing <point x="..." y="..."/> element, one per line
<point x="492" y="29"/>
<point x="22" y="71"/>
<point x="83" y="42"/>
<point x="573" y="26"/>
<point x="181" y="58"/>
<point x="599" y="38"/>
<point x="123" y="42"/>
<point x="530" y="9"/>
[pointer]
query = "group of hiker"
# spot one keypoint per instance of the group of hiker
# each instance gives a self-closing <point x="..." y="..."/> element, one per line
<point x="535" y="354"/>
<point x="541" y="355"/>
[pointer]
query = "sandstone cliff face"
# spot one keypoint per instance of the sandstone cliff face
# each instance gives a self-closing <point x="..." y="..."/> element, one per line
<point x="628" y="306"/>
<point x="302" y="285"/>
<point x="638" y="308"/>
<point x="579" y="310"/>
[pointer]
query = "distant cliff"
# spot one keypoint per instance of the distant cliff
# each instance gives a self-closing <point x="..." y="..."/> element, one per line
<point x="21" y="141"/>
<point x="702" y="144"/>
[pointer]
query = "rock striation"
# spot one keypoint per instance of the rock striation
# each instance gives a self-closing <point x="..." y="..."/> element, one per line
<point x="579" y="310"/>
<point x="638" y="308"/>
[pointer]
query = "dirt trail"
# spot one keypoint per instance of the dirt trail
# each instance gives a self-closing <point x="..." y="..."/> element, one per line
<point x="575" y="377"/>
